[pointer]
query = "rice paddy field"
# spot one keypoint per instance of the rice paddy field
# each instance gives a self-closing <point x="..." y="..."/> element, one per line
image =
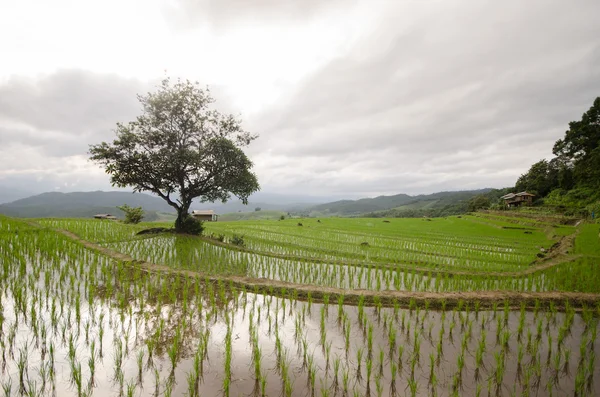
<point x="477" y="305"/>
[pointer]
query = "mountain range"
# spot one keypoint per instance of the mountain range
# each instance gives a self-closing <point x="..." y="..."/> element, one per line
<point x="87" y="204"/>
<point x="403" y="205"/>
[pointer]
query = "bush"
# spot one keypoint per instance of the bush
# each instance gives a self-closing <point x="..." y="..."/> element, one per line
<point x="218" y="237"/>
<point x="237" y="240"/>
<point x="282" y="217"/>
<point x="594" y="208"/>
<point x="191" y="225"/>
<point x="132" y="214"/>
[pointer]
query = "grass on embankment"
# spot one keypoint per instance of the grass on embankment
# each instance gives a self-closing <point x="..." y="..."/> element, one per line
<point x="588" y="240"/>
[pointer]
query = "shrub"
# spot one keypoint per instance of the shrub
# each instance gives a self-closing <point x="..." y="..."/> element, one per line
<point x="282" y="217"/>
<point x="218" y="237"/>
<point x="132" y="214"/>
<point x="191" y="225"/>
<point x="237" y="240"/>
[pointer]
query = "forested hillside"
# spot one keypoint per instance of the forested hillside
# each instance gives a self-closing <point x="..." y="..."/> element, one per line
<point x="83" y="204"/>
<point x="403" y="205"/>
<point x="570" y="180"/>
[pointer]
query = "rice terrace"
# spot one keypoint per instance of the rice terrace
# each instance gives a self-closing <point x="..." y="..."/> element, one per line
<point x="485" y="304"/>
<point x="354" y="219"/>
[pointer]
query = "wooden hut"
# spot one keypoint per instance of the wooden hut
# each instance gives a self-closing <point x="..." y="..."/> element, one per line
<point x="518" y="199"/>
<point x="205" y="215"/>
<point x="105" y="216"/>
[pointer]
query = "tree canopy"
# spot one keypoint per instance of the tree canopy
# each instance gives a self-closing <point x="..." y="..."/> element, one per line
<point x="580" y="147"/>
<point x="180" y="149"/>
<point x="573" y="176"/>
<point x="544" y="176"/>
<point x="478" y="202"/>
<point x="132" y="214"/>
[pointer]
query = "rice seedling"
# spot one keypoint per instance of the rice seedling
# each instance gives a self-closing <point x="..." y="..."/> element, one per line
<point x="88" y="301"/>
<point x="7" y="387"/>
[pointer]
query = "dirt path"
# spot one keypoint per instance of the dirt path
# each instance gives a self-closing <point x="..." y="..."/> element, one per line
<point x="485" y="299"/>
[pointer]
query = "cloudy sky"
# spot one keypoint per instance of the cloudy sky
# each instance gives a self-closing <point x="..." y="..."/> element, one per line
<point x="355" y="98"/>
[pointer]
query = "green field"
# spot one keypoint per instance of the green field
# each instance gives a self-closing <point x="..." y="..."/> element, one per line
<point x="482" y="304"/>
<point x="254" y="215"/>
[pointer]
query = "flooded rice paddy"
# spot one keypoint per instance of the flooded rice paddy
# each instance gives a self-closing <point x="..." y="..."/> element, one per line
<point x="74" y="322"/>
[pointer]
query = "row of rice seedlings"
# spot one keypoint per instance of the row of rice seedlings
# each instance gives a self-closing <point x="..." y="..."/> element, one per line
<point x="353" y="230"/>
<point x="95" y="230"/>
<point x="381" y="279"/>
<point x="338" y="242"/>
<point x="169" y="319"/>
<point x="395" y="251"/>
<point x="196" y="255"/>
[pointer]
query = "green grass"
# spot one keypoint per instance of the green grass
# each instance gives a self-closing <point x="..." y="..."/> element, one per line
<point x="72" y="317"/>
<point x="453" y="242"/>
<point x="588" y="240"/>
<point x="365" y="253"/>
<point x="252" y="215"/>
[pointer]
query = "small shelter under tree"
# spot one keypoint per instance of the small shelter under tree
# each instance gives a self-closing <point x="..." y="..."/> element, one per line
<point x="205" y="215"/>
<point x="518" y="199"/>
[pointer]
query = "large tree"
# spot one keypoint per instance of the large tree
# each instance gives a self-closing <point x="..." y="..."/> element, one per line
<point x="180" y="149"/>
<point x="580" y="147"/>
<point x="545" y="176"/>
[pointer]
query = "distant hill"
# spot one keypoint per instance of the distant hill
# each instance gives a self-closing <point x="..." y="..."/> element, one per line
<point x="355" y="207"/>
<point x="399" y="204"/>
<point x="83" y="205"/>
<point x="86" y="204"/>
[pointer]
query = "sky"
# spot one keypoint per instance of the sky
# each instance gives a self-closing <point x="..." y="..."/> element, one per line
<point x="350" y="98"/>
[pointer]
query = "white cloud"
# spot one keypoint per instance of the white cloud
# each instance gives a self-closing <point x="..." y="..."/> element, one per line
<point x="360" y="97"/>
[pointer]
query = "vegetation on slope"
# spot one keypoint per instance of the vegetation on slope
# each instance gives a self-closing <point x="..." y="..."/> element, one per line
<point x="571" y="180"/>
<point x="83" y="205"/>
<point x="402" y="205"/>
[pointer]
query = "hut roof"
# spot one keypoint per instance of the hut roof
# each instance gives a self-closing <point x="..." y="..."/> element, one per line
<point x="203" y="212"/>
<point x="513" y="195"/>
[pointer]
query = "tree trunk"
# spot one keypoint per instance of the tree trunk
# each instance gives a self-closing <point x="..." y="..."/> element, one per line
<point x="182" y="214"/>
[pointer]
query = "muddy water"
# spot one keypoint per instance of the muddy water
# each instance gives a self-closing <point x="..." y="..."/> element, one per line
<point x="61" y="305"/>
<point x="120" y="325"/>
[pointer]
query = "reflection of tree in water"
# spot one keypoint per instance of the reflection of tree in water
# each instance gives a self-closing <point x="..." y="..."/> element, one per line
<point x="172" y="313"/>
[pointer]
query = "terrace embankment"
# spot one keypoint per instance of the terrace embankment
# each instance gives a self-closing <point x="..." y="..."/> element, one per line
<point x="484" y="299"/>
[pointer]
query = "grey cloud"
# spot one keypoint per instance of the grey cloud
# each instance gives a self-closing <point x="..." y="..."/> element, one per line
<point x="66" y="110"/>
<point x="501" y="82"/>
<point x="440" y="96"/>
